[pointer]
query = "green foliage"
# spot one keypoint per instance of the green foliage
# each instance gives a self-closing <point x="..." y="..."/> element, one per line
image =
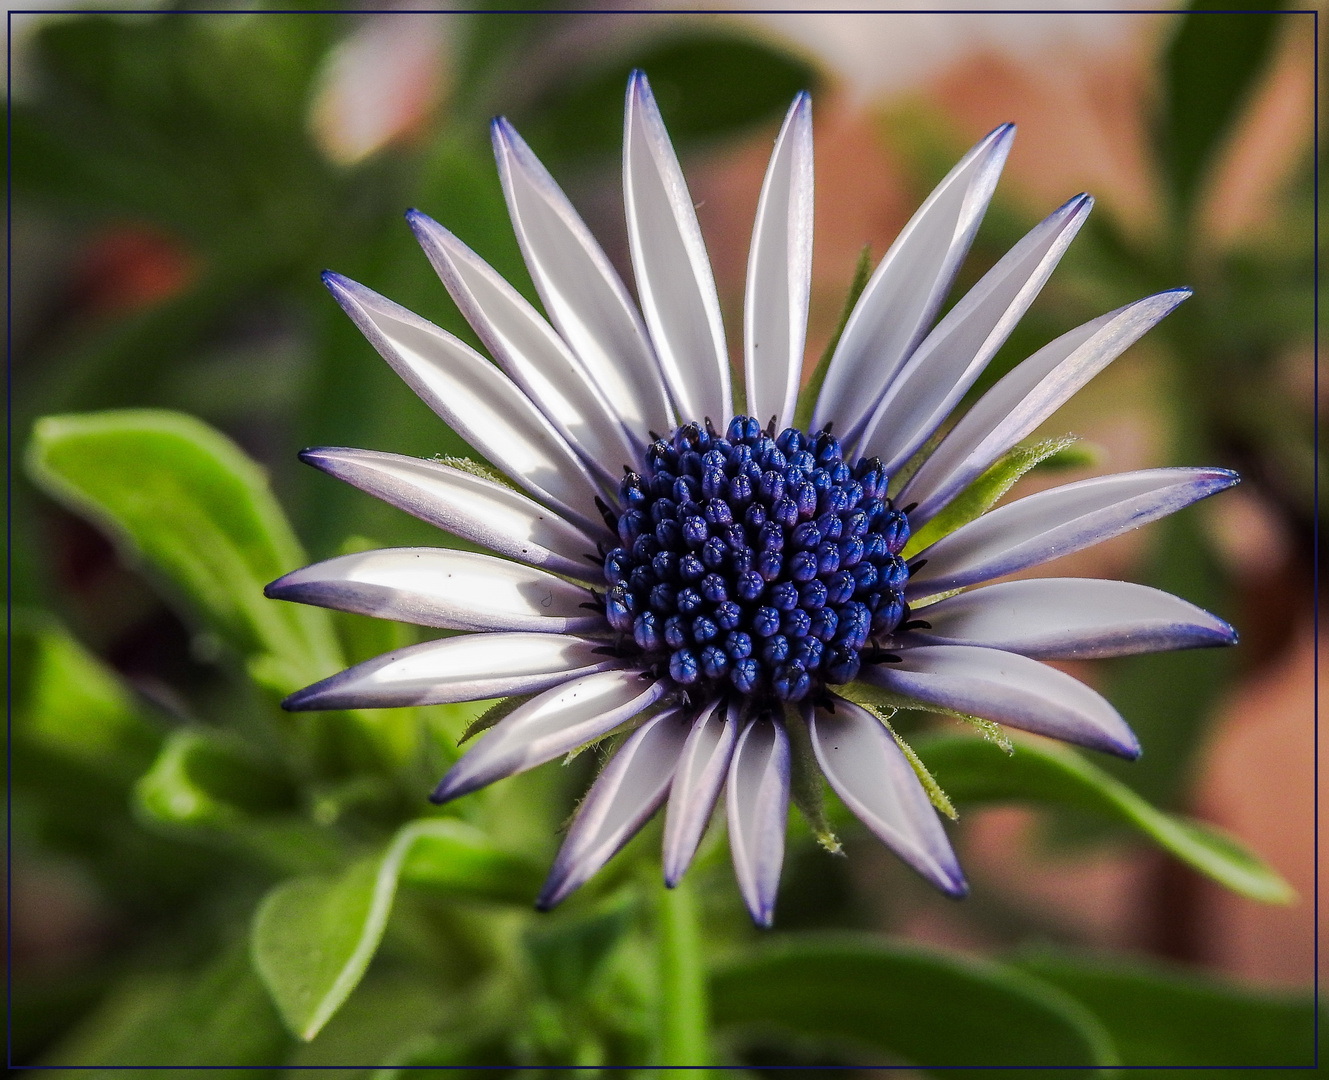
<point x="68" y="703"/>
<point x="1164" y="1017"/>
<point x="313" y="937"/>
<point x="218" y="1015"/>
<point x="977" y="771"/>
<point x="180" y="497"/>
<point x="885" y="1003"/>
<point x="1210" y="68"/>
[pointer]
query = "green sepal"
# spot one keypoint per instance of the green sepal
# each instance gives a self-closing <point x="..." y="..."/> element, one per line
<point x="500" y="710"/>
<point x="980" y="496"/>
<point x="806" y="787"/>
<point x="807" y="398"/>
<point x="936" y="795"/>
<point x="475" y="468"/>
<point x="877" y="697"/>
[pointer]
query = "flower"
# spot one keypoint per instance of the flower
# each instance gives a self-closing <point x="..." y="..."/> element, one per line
<point x="739" y="577"/>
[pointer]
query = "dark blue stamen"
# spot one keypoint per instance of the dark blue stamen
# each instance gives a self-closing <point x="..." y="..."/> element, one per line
<point x="755" y="564"/>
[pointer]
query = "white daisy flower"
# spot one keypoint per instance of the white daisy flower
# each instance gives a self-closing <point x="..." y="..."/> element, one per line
<point x="724" y="575"/>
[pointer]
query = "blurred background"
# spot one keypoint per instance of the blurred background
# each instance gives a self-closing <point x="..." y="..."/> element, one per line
<point x="179" y="180"/>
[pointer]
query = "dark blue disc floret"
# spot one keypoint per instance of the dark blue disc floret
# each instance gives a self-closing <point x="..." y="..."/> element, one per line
<point x="752" y="563"/>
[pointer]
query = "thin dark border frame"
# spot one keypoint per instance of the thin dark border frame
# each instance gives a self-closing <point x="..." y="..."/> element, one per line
<point x="9" y="477"/>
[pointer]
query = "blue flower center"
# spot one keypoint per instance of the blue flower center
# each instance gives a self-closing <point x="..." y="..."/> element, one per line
<point x="755" y="563"/>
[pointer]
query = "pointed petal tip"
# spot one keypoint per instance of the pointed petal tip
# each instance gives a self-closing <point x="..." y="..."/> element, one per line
<point x="281" y="588"/>
<point x="763" y="918"/>
<point x="957" y="888"/>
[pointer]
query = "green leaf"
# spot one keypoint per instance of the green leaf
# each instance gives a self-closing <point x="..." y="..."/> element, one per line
<point x="903" y="1004"/>
<point x="218" y="1016"/>
<point x="1167" y="1017"/>
<point x="570" y="953"/>
<point x="313" y="937"/>
<point x="980" y="496"/>
<point x="806" y="784"/>
<point x="388" y="1009"/>
<point x="977" y="771"/>
<point x="183" y="499"/>
<point x="209" y="786"/>
<point x="807" y="397"/>
<point x="1209" y="70"/>
<point x="68" y="703"/>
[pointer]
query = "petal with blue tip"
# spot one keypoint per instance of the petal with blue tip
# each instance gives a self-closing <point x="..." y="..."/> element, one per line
<point x="622" y="799"/>
<point x="908" y="287"/>
<point x="489" y="514"/>
<point x="702" y="769"/>
<point x="1024" y="398"/>
<point x="674" y="279"/>
<point x="1010" y="689"/>
<point x="1057" y="522"/>
<point x="550" y="725"/>
<point x="866" y="767"/>
<point x="580" y="288"/>
<point x="469" y="667"/>
<point x="451" y="590"/>
<point x="775" y="312"/>
<point x="526" y="347"/>
<point x="945" y="365"/>
<point x="758" y="807"/>
<point x="1069" y="618"/>
<point x="475" y="399"/>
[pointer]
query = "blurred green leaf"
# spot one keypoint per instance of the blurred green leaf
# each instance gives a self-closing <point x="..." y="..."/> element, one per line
<point x="209" y="786"/>
<point x="313" y="937"/>
<point x="569" y="954"/>
<point x="387" y="1009"/>
<point x="902" y="1004"/>
<point x="973" y="770"/>
<point x="708" y="83"/>
<point x="70" y="704"/>
<point x="185" y="500"/>
<point x="980" y="496"/>
<point x="1209" y="70"/>
<point x="197" y="123"/>
<point x="1168" y="1017"/>
<point x="217" y="1016"/>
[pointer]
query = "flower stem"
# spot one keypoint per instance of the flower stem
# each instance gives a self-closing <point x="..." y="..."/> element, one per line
<point x="684" y="1027"/>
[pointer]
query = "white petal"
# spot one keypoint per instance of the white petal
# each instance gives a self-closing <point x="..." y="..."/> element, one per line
<point x="554" y="723"/>
<point x="758" y="807"/>
<point x="527" y="348"/>
<point x="1064" y="618"/>
<point x="622" y="799"/>
<point x="475" y="399"/>
<point x="581" y="290"/>
<point x="702" y="768"/>
<point x="453" y="590"/>
<point x="489" y="514"/>
<point x="1010" y="689"/>
<point x="868" y="770"/>
<point x="674" y="279"/>
<point x="945" y="365"/>
<point x="1057" y="522"/>
<point x="469" y="667"/>
<point x="1026" y="397"/>
<point x="907" y="288"/>
<point x="775" y="314"/>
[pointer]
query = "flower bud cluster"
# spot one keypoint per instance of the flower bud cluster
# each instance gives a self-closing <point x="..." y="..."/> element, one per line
<point x="756" y="563"/>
